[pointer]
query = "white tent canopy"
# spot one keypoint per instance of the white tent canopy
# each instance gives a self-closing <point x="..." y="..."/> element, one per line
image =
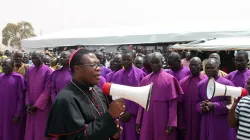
<point x="128" y="35"/>
<point x="219" y="44"/>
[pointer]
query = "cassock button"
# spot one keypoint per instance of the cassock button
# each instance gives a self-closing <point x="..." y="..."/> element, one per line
<point x="97" y="106"/>
<point x="100" y="113"/>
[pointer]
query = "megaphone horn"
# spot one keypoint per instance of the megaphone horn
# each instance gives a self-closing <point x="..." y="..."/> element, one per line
<point x="216" y="89"/>
<point x="139" y="95"/>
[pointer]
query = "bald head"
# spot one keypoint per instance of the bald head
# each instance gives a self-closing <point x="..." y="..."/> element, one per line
<point x="174" y="61"/>
<point x="196" y="60"/>
<point x="9" y="61"/>
<point x="38" y="53"/>
<point x="215" y="56"/>
<point x="47" y="60"/>
<point x="37" y="57"/>
<point x="100" y="57"/>
<point x="18" y="58"/>
<point x="241" y="60"/>
<point x="138" y="62"/>
<point x="212" y="61"/>
<point x="7" y="65"/>
<point x="244" y="53"/>
<point x="156" y="62"/>
<point x="139" y="58"/>
<point x="118" y="56"/>
<point x="174" y="56"/>
<point x="195" y="66"/>
<point x="19" y="53"/>
<point x="212" y="68"/>
<point x="127" y="59"/>
<point x="157" y="55"/>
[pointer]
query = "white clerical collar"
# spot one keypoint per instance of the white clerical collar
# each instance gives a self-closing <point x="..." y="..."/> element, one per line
<point x="90" y="88"/>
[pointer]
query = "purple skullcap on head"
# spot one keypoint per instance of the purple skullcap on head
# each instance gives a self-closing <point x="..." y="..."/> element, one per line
<point x="72" y="55"/>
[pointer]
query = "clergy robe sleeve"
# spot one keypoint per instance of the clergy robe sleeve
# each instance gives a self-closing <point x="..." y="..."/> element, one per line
<point x="68" y="121"/>
<point x="172" y="111"/>
<point x="21" y="97"/>
<point x="139" y="115"/>
<point x="180" y="113"/>
<point x="44" y="97"/>
<point x="53" y="89"/>
<point x="199" y="100"/>
<point x="220" y="107"/>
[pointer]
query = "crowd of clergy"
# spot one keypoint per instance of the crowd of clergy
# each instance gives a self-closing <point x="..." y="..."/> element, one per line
<point x="179" y="108"/>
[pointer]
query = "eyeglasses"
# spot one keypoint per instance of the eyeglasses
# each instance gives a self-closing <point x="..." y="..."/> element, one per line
<point x="95" y="66"/>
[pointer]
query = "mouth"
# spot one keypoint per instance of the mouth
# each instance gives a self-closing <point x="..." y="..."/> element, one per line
<point x="98" y="76"/>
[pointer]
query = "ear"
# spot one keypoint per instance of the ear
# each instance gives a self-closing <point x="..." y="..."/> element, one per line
<point x="76" y="68"/>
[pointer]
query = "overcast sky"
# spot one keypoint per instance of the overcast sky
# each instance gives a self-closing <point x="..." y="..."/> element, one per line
<point x="56" y="15"/>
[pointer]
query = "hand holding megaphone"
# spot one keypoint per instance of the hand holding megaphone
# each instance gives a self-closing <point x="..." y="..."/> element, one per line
<point x="116" y="108"/>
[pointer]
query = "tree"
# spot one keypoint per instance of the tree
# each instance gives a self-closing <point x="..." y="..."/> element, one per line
<point x="12" y="34"/>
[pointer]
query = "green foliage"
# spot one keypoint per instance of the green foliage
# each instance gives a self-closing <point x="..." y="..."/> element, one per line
<point x="12" y="34"/>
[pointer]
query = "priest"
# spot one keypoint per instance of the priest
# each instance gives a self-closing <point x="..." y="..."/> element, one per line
<point x="61" y="77"/>
<point x="80" y="111"/>
<point x="12" y="105"/>
<point x="160" y="121"/>
<point x="240" y="76"/>
<point x="213" y="111"/>
<point x="129" y="76"/>
<point x="189" y="85"/>
<point x="38" y="100"/>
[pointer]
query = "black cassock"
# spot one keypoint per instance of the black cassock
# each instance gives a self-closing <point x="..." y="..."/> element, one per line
<point x="73" y="116"/>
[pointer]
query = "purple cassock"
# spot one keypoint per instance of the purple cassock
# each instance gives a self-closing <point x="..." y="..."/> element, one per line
<point x="38" y="94"/>
<point x="239" y="79"/>
<point x="162" y="109"/>
<point x="133" y="78"/>
<point x="105" y="71"/>
<point x="144" y="70"/>
<point x="191" y="117"/>
<point x="180" y="74"/>
<point x="60" y="78"/>
<point x="109" y="77"/>
<point x="101" y="82"/>
<point x="12" y="95"/>
<point x="214" y="124"/>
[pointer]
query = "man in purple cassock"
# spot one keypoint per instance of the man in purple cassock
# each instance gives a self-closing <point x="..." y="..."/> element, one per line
<point x="240" y="76"/>
<point x="38" y="99"/>
<point x="104" y="70"/>
<point x="179" y="72"/>
<point x="213" y="125"/>
<point x="61" y="77"/>
<point x="116" y="63"/>
<point x="176" y="69"/>
<point x="12" y="105"/>
<point x="130" y="76"/>
<point x="160" y="121"/>
<point x="189" y="85"/>
<point x="146" y="64"/>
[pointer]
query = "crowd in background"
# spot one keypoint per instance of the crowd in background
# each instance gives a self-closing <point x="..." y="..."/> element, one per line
<point x="26" y="80"/>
